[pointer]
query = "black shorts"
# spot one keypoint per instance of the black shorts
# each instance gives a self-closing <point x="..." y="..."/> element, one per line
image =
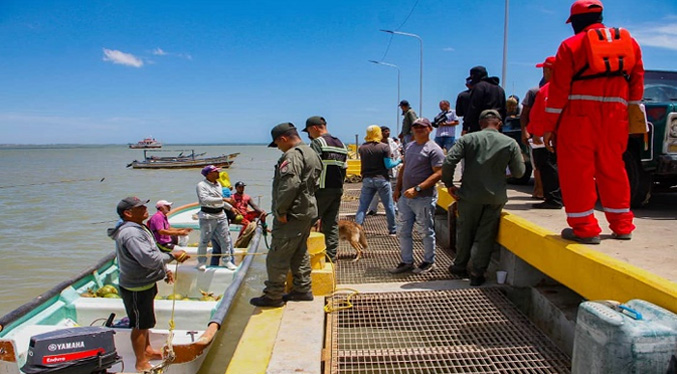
<point x="140" y="307"/>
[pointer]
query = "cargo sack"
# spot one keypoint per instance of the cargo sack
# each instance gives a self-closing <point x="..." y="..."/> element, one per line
<point x="610" y="53"/>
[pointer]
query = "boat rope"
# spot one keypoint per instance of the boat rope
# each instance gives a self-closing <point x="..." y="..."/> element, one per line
<point x="168" y="355"/>
<point x="56" y="182"/>
<point x="347" y="304"/>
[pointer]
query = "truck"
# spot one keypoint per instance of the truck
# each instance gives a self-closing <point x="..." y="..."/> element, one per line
<point x="651" y="160"/>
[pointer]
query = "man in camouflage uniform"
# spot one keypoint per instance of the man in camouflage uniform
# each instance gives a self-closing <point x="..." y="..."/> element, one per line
<point x="294" y="208"/>
<point x="334" y="157"/>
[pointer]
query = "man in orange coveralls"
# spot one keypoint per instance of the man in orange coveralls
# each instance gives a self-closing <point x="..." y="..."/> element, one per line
<point x="588" y="113"/>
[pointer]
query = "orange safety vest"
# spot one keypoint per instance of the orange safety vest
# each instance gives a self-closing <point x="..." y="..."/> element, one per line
<point x="610" y="52"/>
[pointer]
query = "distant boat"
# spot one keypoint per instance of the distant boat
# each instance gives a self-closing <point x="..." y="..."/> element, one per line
<point x="192" y="160"/>
<point x="146" y="143"/>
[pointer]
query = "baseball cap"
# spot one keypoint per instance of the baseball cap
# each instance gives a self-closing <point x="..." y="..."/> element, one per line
<point x="585" y="6"/>
<point x="489" y="113"/>
<point x="129" y="203"/>
<point x="208" y="169"/>
<point x="162" y="203"/>
<point x="314" y="121"/>
<point x="404" y="102"/>
<point x="479" y="71"/>
<point x="280" y="130"/>
<point x="422" y="122"/>
<point x="239" y="183"/>
<point x="548" y="63"/>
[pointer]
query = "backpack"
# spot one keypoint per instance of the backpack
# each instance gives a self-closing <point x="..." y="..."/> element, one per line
<point x="610" y="53"/>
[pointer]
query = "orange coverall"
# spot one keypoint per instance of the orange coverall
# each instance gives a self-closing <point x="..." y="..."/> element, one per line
<point x="590" y="119"/>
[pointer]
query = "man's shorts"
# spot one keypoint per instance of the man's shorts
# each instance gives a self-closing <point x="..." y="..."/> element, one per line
<point x="140" y="307"/>
<point x="445" y="142"/>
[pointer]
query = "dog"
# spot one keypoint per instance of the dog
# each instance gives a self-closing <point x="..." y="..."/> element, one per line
<point x="354" y="234"/>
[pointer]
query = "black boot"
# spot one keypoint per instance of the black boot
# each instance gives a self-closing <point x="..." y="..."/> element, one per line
<point x="264" y="301"/>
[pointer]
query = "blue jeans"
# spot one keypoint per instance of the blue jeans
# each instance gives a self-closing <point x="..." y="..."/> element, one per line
<point x="445" y="142"/>
<point x="217" y="230"/>
<point x="422" y="211"/>
<point x="371" y="186"/>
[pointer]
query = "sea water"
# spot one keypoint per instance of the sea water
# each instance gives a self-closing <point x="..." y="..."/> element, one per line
<point x="56" y="203"/>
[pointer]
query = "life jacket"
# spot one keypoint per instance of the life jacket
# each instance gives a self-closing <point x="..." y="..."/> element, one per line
<point x="610" y="53"/>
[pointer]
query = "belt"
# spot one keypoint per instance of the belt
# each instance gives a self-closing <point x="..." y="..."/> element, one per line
<point x="211" y="210"/>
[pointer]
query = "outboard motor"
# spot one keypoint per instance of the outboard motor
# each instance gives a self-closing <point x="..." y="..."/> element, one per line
<point x="75" y="350"/>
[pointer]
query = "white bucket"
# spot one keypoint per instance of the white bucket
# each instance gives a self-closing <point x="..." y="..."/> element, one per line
<point x="501" y="276"/>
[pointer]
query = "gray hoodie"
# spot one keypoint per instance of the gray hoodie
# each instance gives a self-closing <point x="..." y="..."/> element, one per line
<point x="141" y="262"/>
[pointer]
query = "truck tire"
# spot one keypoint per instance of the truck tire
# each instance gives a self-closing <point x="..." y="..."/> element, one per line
<point x="640" y="181"/>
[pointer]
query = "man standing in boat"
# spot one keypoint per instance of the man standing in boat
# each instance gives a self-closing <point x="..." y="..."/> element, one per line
<point x="334" y="157"/>
<point x="141" y="265"/>
<point x="213" y="220"/>
<point x="294" y="207"/>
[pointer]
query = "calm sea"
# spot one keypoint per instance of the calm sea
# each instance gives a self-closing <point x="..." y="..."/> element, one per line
<point x="57" y="201"/>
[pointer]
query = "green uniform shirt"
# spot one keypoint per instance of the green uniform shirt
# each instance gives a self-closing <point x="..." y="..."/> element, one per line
<point x="409" y="118"/>
<point x="296" y="179"/>
<point x="487" y="153"/>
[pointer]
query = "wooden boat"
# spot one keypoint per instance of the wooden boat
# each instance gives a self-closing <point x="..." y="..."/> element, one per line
<point x="197" y="322"/>
<point x="192" y="160"/>
<point x="146" y="143"/>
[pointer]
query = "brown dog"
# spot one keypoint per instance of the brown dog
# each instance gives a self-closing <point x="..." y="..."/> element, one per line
<point x="354" y="234"/>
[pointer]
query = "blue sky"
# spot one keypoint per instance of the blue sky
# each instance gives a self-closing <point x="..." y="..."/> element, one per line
<point x="227" y="71"/>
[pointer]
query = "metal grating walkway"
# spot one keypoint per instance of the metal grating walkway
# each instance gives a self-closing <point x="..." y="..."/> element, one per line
<point x="452" y="331"/>
<point x="383" y="252"/>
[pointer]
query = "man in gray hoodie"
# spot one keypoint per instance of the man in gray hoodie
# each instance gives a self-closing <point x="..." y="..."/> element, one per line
<point x="141" y="265"/>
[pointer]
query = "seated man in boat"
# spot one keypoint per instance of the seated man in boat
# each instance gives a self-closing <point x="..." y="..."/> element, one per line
<point x="141" y="265"/>
<point x="243" y="202"/>
<point x="166" y="237"/>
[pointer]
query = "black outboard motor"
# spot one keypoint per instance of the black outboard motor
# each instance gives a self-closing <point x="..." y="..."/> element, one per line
<point x="75" y="350"/>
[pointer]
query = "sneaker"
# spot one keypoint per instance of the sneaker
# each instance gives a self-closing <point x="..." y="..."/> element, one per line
<point x="477" y="280"/>
<point x="568" y="234"/>
<point x="230" y="265"/>
<point x="459" y="271"/>
<point x="265" y="302"/>
<point x="546" y="205"/>
<point x="371" y="213"/>
<point x="202" y="267"/>
<point x="627" y="236"/>
<point x="402" y="268"/>
<point x="298" y="296"/>
<point x="425" y="267"/>
<point x="392" y="233"/>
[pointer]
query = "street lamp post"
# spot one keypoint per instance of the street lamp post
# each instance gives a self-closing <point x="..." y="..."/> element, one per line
<point x="505" y="44"/>
<point x="397" y="110"/>
<point x="420" y="104"/>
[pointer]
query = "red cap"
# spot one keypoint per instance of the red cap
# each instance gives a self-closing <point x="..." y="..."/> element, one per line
<point x="548" y="63"/>
<point x="585" y="6"/>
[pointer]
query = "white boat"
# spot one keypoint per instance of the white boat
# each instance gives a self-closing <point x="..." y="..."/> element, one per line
<point x="64" y="306"/>
<point x="146" y="143"/>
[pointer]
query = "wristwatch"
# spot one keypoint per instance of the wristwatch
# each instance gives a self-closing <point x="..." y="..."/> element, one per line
<point x="418" y="188"/>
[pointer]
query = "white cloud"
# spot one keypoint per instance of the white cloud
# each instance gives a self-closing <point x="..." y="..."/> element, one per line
<point x="161" y="52"/>
<point x="449" y="49"/>
<point x="659" y="36"/>
<point x="122" y="58"/>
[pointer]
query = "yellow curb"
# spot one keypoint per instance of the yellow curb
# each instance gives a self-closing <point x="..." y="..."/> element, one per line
<point x="592" y="274"/>
<point x="255" y="349"/>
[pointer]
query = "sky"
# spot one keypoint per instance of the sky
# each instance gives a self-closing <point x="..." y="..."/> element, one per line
<point x="114" y="72"/>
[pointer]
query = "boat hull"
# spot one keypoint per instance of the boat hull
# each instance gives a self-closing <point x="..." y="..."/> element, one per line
<point x="196" y="321"/>
<point x="150" y="163"/>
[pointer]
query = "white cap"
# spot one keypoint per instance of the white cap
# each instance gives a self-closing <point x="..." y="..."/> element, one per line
<point x="162" y="203"/>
